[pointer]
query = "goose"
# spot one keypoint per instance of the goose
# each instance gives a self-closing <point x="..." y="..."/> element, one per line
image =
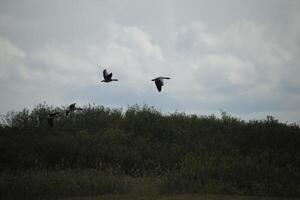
<point x="107" y="77"/>
<point x="52" y="115"/>
<point x="51" y="118"/>
<point x="72" y="108"/>
<point x="159" y="82"/>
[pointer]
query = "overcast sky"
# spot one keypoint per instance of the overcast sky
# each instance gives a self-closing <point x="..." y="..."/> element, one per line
<point x="238" y="56"/>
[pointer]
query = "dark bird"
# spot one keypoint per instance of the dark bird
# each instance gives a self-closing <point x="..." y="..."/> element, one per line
<point x="107" y="77"/>
<point x="54" y="114"/>
<point x="72" y="108"/>
<point x="159" y="82"/>
<point x="51" y="118"/>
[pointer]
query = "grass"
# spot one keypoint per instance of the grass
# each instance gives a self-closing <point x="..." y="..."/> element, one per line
<point x="176" y="197"/>
<point x="89" y="184"/>
<point x="62" y="183"/>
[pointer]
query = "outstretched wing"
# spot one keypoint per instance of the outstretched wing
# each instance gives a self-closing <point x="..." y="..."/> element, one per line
<point x="109" y="76"/>
<point x="161" y="81"/>
<point x="158" y="84"/>
<point x="54" y="114"/>
<point x="163" y="77"/>
<point x="105" y="74"/>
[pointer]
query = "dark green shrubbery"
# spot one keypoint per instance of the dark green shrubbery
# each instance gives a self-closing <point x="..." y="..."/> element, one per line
<point x="188" y="153"/>
<point x="43" y="184"/>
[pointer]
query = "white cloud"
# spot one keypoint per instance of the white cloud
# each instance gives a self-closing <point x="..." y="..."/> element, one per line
<point x="21" y="85"/>
<point x="12" y="62"/>
<point x="256" y="42"/>
<point x="9" y="51"/>
<point x="50" y="72"/>
<point x="197" y="36"/>
<point x="130" y="53"/>
<point x="246" y="61"/>
<point x="240" y="68"/>
<point x="244" y="54"/>
<point x="137" y="41"/>
<point x="61" y="65"/>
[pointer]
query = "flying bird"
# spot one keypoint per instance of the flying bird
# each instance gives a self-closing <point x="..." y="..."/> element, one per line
<point x="107" y="77"/>
<point x="159" y="82"/>
<point x="55" y="114"/>
<point x="72" y="108"/>
<point x="51" y="118"/>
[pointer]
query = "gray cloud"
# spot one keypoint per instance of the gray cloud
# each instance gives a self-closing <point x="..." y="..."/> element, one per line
<point x="242" y="58"/>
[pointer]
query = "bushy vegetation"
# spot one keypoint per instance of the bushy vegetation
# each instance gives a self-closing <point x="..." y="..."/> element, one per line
<point x="184" y="153"/>
<point x="60" y="183"/>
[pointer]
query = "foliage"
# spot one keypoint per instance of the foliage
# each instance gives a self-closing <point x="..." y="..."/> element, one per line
<point x="189" y="153"/>
<point x="43" y="184"/>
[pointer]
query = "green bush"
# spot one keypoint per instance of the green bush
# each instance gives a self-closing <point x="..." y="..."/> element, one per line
<point x="189" y="153"/>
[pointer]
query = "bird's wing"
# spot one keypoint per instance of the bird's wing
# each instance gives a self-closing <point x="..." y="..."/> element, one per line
<point x="163" y="77"/>
<point x="104" y="74"/>
<point x="161" y="81"/>
<point x="158" y="84"/>
<point x="54" y="114"/>
<point x="109" y="76"/>
<point x="72" y="106"/>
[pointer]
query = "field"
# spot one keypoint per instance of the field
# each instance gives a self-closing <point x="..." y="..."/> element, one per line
<point x="141" y="153"/>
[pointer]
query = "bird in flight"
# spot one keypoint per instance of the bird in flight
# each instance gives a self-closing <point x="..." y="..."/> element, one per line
<point x="107" y="77"/>
<point x="159" y="82"/>
<point x="51" y="118"/>
<point x="72" y="108"/>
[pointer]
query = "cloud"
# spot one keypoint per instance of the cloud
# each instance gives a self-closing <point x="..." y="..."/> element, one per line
<point x="130" y="53"/>
<point x="22" y="86"/>
<point x="9" y="51"/>
<point x="244" y="61"/>
<point x="60" y="65"/>
<point x="134" y="39"/>
<point x="10" y="57"/>
<point x="196" y="36"/>
<point x="54" y="71"/>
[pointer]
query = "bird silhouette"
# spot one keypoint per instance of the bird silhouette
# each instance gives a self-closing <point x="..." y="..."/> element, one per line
<point x="72" y="108"/>
<point x="107" y="77"/>
<point x="51" y="118"/>
<point x="159" y="82"/>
